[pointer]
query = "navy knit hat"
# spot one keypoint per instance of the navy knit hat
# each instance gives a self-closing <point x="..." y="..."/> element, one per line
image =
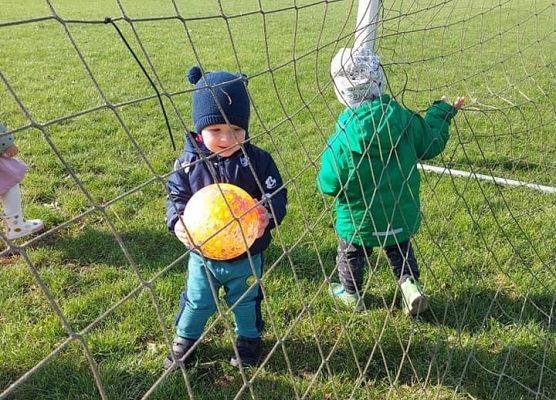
<point x="212" y="91"/>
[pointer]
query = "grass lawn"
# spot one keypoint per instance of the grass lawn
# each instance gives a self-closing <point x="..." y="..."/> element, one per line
<point x="486" y="252"/>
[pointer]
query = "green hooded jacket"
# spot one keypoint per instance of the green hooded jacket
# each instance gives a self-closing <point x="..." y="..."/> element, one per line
<point x="370" y="166"/>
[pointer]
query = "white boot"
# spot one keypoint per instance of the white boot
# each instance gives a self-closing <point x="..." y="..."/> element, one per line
<point x="17" y="226"/>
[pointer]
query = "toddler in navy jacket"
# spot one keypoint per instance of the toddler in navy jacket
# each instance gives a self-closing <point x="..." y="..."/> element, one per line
<point x="218" y="151"/>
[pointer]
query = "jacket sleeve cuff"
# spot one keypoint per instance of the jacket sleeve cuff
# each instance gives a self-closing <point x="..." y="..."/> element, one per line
<point x="171" y="223"/>
<point x="447" y="109"/>
<point x="271" y="224"/>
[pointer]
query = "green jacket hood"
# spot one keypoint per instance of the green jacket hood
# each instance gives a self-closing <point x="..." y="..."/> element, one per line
<point x="366" y="123"/>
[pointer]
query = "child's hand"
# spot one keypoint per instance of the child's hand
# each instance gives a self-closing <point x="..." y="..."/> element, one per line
<point x="457" y="104"/>
<point x="11" y="151"/>
<point x="181" y="234"/>
<point x="263" y="220"/>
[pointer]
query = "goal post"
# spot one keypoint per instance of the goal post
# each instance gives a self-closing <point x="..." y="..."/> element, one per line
<point x="367" y="21"/>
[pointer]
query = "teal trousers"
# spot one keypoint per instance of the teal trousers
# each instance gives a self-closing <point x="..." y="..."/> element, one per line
<point x="198" y="303"/>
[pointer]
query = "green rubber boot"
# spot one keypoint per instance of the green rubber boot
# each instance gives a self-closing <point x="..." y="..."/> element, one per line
<point x="414" y="301"/>
<point x="353" y="301"/>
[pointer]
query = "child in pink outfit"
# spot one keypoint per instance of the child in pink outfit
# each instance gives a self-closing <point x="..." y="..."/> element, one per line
<point x="12" y="172"/>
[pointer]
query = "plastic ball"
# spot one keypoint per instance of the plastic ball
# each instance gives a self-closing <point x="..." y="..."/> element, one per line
<point x="218" y="217"/>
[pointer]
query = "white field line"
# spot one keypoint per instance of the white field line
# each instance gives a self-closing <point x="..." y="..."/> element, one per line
<point x="489" y="178"/>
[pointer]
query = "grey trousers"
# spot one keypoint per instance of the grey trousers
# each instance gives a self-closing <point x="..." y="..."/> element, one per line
<point x="351" y="261"/>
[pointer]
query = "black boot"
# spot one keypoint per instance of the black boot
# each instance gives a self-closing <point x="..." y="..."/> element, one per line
<point x="180" y="346"/>
<point x="249" y="351"/>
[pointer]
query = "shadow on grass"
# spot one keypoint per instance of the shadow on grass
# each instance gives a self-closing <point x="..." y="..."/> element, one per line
<point x="507" y="372"/>
<point x="151" y="249"/>
<point x="70" y="377"/>
<point x="465" y="308"/>
<point x="479" y="371"/>
<point x="487" y="370"/>
<point x="470" y="309"/>
<point x="491" y="369"/>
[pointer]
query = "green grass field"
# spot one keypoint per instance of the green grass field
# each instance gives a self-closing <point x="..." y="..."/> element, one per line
<point x="486" y="252"/>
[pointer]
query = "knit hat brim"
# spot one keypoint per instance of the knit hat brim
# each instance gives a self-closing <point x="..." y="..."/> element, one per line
<point x="204" y="121"/>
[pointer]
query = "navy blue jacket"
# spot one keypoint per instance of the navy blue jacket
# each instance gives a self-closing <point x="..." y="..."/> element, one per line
<point x="191" y="174"/>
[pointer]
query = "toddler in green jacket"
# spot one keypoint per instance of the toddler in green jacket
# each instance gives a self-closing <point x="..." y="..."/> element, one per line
<point x="370" y="167"/>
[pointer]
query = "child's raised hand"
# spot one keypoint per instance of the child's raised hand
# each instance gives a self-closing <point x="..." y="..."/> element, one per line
<point x="263" y="219"/>
<point x="11" y="151"/>
<point x="457" y="104"/>
<point x="181" y="234"/>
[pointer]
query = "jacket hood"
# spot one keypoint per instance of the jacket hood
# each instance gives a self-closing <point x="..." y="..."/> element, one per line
<point x="192" y="144"/>
<point x="369" y="126"/>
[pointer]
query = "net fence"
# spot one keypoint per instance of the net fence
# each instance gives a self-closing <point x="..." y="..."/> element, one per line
<point x="87" y="307"/>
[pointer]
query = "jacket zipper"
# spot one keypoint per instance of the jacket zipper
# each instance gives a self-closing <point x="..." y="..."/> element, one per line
<point x="222" y="170"/>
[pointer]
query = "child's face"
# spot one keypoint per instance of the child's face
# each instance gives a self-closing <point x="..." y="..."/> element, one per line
<point x="223" y="139"/>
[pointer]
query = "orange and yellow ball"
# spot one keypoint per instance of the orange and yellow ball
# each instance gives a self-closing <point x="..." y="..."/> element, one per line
<point x="218" y="217"/>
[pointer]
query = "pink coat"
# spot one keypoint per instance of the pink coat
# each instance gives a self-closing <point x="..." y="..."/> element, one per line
<point x="12" y="172"/>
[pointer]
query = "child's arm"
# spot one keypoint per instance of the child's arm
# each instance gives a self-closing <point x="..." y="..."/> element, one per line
<point x="271" y="181"/>
<point x="179" y="194"/>
<point x="431" y="133"/>
<point x="333" y="171"/>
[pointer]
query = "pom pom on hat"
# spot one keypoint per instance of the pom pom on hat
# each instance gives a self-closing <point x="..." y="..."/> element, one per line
<point x="194" y="75"/>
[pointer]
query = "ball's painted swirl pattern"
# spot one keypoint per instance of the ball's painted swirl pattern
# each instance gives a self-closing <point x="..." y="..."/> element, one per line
<point x="218" y="224"/>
